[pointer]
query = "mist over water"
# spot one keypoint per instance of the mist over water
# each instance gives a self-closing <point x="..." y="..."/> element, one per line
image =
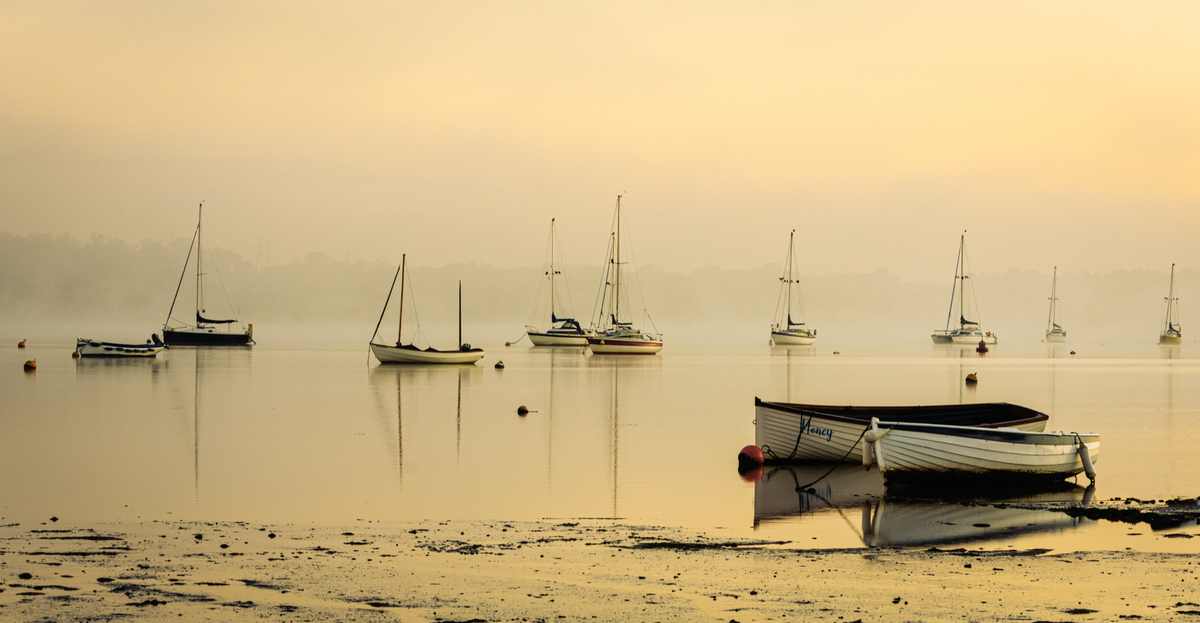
<point x="60" y="288"/>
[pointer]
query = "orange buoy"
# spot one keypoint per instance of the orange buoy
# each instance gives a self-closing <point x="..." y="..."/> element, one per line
<point x="972" y="379"/>
<point x="21" y="344"/>
<point x="75" y="354"/>
<point x="31" y="365"/>
<point x="508" y="343"/>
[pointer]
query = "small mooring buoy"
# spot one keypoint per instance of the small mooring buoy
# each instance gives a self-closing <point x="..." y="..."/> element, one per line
<point x="1072" y="352"/>
<point x="21" y="344"/>
<point x="499" y="365"/>
<point x="982" y="348"/>
<point x="75" y="354"/>
<point x="508" y="343"/>
<point x="972" y="379"/>
<point x="521" y="410"/>
<point x="31" y="365"/>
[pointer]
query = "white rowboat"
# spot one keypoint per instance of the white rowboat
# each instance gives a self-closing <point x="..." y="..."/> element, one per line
<point x="909" y="453"/>
<point x="800" y="432"/>
<point x="92" y="348"/>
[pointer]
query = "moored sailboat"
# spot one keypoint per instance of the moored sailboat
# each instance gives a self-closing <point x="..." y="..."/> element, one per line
<point x="1054" y="331"/>
<point x="967" y="331"/>
<point x="409" y="353"/>
<point x="205" y="331"/>
<point x="562" y="331"/>
<point x="785" y="331"/>
<point x="1172" y="333"/>
<point x="612" y="336"/>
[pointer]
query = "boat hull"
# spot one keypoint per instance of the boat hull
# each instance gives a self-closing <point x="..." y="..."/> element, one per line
<point x="549" y="339"/>
<point x="623" y="346"/>
<point x="792" y="338"/>
<point x="403" y="354"/>
<point x="205" y="337"/>
<point x="797" y="432"/>
<point x="1170" y="340"/>
<point x="932" y="454"/>
<point x="1056" y="337"/>
<point x="92" y="348"/>
<point x="963" y="338"/>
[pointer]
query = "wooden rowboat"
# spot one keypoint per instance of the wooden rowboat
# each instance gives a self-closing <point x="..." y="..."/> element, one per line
<point x="912" y="453"/>
<point x="93" y="348"/>
<point x="800" y="432"/>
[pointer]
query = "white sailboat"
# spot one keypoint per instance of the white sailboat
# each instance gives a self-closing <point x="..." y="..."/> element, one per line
<point x="1172" y="333"/>
<point x="785" y="331"/>
<point x="409" y="353"/>
<point x="562" y="331"/>
<point x="612" y="336"/>
<point x="967" y="331"/>
<point x="1054" y="331"/>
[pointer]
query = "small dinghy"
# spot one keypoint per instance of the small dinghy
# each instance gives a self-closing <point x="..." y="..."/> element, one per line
<point x="93" y="348"/>
<point x="800" y="432"/>
<point x="915" y="453"/>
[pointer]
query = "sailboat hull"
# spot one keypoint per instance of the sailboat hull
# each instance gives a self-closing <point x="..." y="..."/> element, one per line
<point x="1056" y="337"/>
<point x="205" y="337"/>
<point x="550" y="339"/>
<point x="409" y="354"/>
<point x="624" y="346"/>
<point x="1170" y="340"/>
<point x="967" y="339"/>
<point x="793" y="338"/>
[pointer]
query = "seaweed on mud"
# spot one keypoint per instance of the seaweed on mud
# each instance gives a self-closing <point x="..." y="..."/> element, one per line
<point x="682" y="545"/>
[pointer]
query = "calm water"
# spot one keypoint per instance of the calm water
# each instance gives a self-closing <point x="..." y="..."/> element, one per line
<point x="293" y="433"/>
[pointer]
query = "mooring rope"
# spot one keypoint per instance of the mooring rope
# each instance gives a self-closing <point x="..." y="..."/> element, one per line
<point x="767" y="451"/>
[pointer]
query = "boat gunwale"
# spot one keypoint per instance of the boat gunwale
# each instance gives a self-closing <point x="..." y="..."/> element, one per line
<point x="862" y="414"/>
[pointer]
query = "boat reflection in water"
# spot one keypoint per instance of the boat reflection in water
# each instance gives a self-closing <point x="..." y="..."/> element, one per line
<point x="895" y="521"/>
<point x="851" y="507"/>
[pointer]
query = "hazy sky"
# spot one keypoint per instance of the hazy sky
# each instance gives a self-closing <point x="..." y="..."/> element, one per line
<point x="1056" y="133"/>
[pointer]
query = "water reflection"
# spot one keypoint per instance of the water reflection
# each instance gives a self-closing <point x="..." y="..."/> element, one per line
<point x="849" y="499"/>
<point x="896" y="521"/>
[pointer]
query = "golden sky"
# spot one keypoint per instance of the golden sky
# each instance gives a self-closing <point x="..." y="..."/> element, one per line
<point x="1055" y="133"/>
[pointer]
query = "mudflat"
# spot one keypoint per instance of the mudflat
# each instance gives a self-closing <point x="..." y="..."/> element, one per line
<point x="587" y="570"/>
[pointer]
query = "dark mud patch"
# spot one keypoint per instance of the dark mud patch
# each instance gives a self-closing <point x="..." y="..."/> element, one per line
<point x="990" y="554"/>
<point x="684" y="545"/>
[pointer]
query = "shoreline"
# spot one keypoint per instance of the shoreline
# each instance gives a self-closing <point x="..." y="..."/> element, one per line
<point x="593" y="570"/>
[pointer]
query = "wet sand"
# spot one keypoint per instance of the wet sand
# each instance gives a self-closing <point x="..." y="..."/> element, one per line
<point x="589" y="570"/>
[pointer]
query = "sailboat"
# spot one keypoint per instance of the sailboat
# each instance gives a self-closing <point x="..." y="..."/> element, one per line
<point x="967" y="331"/>
<point x="611" y="335"/>
<point x="206" y="331"/>
<point x="1172" y="333"/>
<point x="784" y="330"/>
<point x="562" y="331"/>
<point x="1054" y="332"/>
<point x="408" y="353"/>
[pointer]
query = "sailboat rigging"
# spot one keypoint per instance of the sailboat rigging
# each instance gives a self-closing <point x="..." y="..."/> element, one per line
<point x="1054" y="331"/>
<point x="784" y="330"/>
<point x="612" y="336"/>
<point x="408" y="353"/>
<point x="1172" y="333"/>
<point x="205" y="330"/>
<point x="562" y="331"/>
<point x="968" y="331"/>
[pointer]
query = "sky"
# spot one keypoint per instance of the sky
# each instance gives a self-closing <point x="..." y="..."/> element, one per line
<point x="1057" y="133"/>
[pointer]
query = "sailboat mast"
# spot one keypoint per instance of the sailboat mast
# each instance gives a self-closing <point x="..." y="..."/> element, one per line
<point x="403" y="274"/>
<point x="199" y="261"/>
<point x="962" y="243"/>
<point x="1053" y="300"/>
<point x="791" y="260"/>
<point x="1170" y="297"/>
<point x="552" y="271"/>
<point x="460" y="314"/>
<point x="617" y="269"/>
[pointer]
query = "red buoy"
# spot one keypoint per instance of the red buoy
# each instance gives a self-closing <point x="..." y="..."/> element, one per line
<point x="982" y="348"/>
<point x="21" y="344"/>
<point x="750" y="455"/>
